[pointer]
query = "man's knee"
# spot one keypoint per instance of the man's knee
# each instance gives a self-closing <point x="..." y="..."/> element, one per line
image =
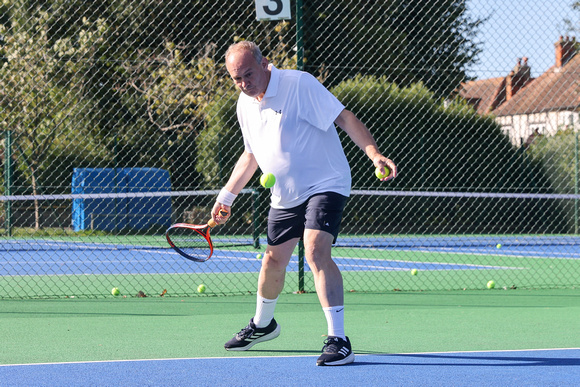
<point x="317" y="247"/>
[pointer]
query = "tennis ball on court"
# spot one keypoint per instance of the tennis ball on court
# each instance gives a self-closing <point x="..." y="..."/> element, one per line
<point x="201" y="288"/>
<point x="414" y="272"/>
<point x="498" y="246"/>
<point x="115" y="291"/>
<point x="267" y="180"/>
<point x="379" y="173"/>
<point x="259" y="256"/>
<point x="491" y="284"/>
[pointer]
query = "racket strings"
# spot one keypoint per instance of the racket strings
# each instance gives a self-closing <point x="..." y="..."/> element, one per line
<point x="191" y="242"/>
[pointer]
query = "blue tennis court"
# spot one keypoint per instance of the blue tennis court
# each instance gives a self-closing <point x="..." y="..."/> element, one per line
<point x="146" y="260"/>
<point x="553" y="367"/>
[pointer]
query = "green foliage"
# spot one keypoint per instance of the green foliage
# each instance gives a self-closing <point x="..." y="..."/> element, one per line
<point x="558" y="158"/>
<point x="178" y="92"/>
<point x="437" y="147"/>
<point x="408" y="41"/>
<point x="220" y="144"/>
<point x="42" y="101"/>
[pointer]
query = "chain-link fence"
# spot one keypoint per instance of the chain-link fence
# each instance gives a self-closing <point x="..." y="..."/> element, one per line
<point x="119" y="119"/>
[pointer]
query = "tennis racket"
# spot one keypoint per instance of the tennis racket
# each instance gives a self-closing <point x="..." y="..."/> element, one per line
<point x="192" y="241"/>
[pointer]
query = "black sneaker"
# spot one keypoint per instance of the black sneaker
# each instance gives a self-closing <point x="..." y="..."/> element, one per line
<point x="251" y="335"/>
<point x="336" y="351"/>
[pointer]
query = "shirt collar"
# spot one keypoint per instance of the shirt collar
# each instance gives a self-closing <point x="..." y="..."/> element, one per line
<point x="272" y="88"/>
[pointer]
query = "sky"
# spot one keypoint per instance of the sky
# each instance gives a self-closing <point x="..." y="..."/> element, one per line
<point x="519" y="28"/>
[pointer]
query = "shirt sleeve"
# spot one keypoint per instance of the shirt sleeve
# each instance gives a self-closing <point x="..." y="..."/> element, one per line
<point x="316" y="105"/>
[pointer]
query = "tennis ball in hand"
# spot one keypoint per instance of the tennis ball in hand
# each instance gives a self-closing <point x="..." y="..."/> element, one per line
<point x="414" y="272"/>
<point x="379" y="173"/>
<point x="267" y="180"/>
<point x="491" y="284"/>
<point x="115" y="291"/>
<point x="201" y="288"/>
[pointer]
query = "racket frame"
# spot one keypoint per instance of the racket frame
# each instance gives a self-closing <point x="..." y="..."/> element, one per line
<point x="197" y="228"/>
<point x="201" y="229"/>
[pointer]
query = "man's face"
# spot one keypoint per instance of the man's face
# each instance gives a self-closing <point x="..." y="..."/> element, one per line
<point x="249" y="76"/>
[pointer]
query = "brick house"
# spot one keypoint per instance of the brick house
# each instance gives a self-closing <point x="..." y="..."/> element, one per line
<point x="526" y="107"/>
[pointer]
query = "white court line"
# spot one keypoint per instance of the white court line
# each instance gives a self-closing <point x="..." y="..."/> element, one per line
<point x="485" y="254"/>
<point x="287" y="356"/>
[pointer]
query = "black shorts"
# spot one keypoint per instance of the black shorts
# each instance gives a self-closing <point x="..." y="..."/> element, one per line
<point x="320" y="212"/>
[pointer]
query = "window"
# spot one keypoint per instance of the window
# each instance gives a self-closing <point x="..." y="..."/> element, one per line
<point x="539" y="128"/>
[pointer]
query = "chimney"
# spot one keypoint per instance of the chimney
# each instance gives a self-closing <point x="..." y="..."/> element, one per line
<point x="565" y="50"/>
<point x="517" y="78"/>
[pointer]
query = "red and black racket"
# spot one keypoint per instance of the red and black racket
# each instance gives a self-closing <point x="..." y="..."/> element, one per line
<point x="192" y="241"/>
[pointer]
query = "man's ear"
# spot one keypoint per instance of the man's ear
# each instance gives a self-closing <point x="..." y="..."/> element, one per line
<point x="264" y="63"/>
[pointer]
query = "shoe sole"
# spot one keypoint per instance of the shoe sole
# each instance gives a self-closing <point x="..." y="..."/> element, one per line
<point x="270" y="336"/>
<point x="347" y="360"/>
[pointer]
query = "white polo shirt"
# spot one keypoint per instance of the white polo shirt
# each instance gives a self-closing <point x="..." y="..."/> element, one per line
<point x="291" y="134"/>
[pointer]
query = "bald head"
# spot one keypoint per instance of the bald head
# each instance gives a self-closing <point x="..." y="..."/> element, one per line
<point x="247" y="46"/>
<point x="248" y="69"/>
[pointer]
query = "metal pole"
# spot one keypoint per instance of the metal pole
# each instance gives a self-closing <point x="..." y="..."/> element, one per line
<point x="300" y="66"/>
<point x="301" y="267"/>
<point x="299" y="37"/>
<point x="576" y="184"/>
<point x="255" y="218"/>
<point x="8" y="182"/>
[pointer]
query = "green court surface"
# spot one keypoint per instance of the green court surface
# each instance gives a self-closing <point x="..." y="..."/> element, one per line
<point x="72" y="330"/>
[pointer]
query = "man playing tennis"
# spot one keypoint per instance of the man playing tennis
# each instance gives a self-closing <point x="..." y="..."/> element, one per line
<point x="287" y="120"/>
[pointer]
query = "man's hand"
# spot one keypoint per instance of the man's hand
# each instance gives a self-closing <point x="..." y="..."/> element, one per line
<point x="381" y="162"/>
<point x="216" y="213"/>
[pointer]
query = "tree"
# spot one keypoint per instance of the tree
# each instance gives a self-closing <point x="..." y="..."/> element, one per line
<point x="557" y="156"/>
<point x="407" y="41"/>
<point x="41" y="99"/>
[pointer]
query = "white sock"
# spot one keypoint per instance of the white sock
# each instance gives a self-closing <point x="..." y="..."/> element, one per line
<point x="335" y="319"/>
<point x="264" y="311"/>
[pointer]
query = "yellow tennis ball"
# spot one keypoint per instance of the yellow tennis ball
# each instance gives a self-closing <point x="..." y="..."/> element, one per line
<point x="379" y="173"/>
<point x="414" y="272"/>
<point x="259" y="256"/>
<point x="115" y="291"/>
<point x="491" y="284"/>
<point x="201" y="288"/>
<point x="267" y="180"/>
<point x="498" y="246"/>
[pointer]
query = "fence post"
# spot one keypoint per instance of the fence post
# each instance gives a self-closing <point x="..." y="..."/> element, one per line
<point x="576" y="182"/>
<point x="256" y="218"/>
<point x="8" y="181"/>
<point x="300" y="66"/>
<point x="299" y="37"/>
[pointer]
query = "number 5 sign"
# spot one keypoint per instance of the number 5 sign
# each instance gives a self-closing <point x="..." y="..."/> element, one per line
<point x="272" y="9"/>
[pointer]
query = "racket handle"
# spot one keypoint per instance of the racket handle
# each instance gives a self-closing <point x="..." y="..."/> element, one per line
<point x="212" y="223"/>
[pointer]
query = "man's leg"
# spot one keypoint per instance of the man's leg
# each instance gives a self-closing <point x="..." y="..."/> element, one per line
<point x="262" y="326"/>
<point x="271" y="280"/>
<point x="327" y="276"/>
<point x="329" y="287"/>
<point x="273" y="270"/>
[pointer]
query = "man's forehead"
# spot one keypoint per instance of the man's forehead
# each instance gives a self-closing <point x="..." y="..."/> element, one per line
<point x="240" y="61"/>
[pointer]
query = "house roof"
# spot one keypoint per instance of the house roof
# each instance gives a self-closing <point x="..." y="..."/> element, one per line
<point x="557" y="89"/>
<point x="483" y="94"/>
